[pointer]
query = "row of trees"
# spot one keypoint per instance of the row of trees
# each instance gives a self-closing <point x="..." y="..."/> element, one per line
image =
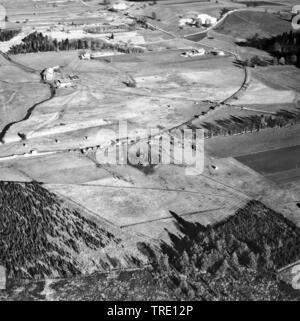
<point x="37" y="42"/>
<point x="239" y="125"/>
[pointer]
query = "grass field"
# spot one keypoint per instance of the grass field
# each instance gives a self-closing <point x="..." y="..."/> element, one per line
<point x="246" y="24"/>
<point x="16" y="98"/>
<point x="167" y="93"/>
<point x="287" y="77"/>
<point x="267" y="139"/>
<point x="126" y="196"/>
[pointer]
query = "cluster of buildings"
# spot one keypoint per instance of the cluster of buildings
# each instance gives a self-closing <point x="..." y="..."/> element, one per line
<point x="48" y="75"/>
<point x="52" y="75"/>
<point x="198" y="21"/>
<point x="119" y="6"/>
<point x="98" y="54"/>
<point x="194" y="53"/>
<point x="201" y="52"/>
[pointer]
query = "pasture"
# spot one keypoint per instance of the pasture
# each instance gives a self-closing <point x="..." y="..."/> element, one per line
<point x="246" y="24"/>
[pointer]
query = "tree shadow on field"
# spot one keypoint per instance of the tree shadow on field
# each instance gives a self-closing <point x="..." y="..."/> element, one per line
<point x="187" y="233"/>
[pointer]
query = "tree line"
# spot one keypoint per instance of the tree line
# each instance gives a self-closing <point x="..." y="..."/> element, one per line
<point x="8" y="34"/>
<point x="38" y="42"/>
<point x="245" y="124"/>
<point x="285" y="48"/>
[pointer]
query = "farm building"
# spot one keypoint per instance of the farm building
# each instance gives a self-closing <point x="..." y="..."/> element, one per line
<point x="61" y="83"/>
<point x="199" y="20"/>
<point x="217" y="52"/>
<point x="194" y="53"/>
<point x="186" y="21"/>
<point x="85" y="56"/>
<point x="48" y="74"/>
<point x="207" y="19"/>
<point x="119" y="6"/>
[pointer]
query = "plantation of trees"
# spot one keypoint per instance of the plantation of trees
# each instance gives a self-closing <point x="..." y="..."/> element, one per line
<point x="236" y="259"/>
<point x="8" y="34"/>
<point x="40" y="237"/>
<point x="37" y="42"/>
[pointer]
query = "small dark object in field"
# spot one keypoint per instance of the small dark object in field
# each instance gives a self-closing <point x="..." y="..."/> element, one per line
<point x="298" y="204"/>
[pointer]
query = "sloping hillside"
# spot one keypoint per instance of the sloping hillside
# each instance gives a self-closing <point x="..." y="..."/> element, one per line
<point x="235" y="259"/>
<point x="43" y="236"/>
<point x="246" y="24"/>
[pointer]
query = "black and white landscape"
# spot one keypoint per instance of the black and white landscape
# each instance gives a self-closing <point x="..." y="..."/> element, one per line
<point x="149" y="150"/>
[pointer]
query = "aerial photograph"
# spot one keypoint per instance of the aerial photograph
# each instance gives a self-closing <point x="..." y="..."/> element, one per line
<point x="149" y="151"/>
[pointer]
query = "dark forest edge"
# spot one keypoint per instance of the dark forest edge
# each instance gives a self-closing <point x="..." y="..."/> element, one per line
<point x="8" y="34"/>
<point x="284" y="48"/>
<point x="235" y="259"/>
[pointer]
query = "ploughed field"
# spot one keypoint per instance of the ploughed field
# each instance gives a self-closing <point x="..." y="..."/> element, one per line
<point x="281" y="165"/>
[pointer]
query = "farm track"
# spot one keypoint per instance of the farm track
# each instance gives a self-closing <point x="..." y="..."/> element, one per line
<point x="153" y="189"/>
<point x="19" y="65"/>
<point x="170" y="217"/>
<point x="162" y="30"/>
<point x="74" y="278"/>
<point x="253" y="109"/>
<point x="243" y="87"/>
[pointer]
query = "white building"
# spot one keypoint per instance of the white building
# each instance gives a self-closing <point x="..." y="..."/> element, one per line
<point x="48" y="73"/>
<point x="206" y="19"/>
<point x="186" y="21"/>
<point x="85" y="56"/>
<point x="62" y="83"/>
<point x="119" y="6"/>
